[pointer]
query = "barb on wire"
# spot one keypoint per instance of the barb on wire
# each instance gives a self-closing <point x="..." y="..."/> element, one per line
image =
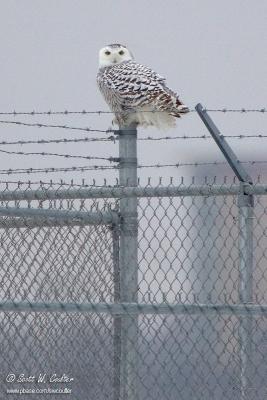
<point x="39" y="125"/>
<point x="44" y="154"/>
<point x="99" y="112"/>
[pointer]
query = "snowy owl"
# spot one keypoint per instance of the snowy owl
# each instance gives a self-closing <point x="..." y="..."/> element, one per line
<point x="135" y="93"/>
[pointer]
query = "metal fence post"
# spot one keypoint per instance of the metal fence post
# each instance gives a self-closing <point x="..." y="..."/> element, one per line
<point x="245" y="206"/>
<point x="116" y="318"/>
<point x="128" y="262"/>
<point x="245" y="246"/>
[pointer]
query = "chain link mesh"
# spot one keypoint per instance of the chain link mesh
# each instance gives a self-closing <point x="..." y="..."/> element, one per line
<point x="188" y="254"/>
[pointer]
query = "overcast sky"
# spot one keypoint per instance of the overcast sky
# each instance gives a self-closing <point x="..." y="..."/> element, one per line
<point x="210" y="51"/>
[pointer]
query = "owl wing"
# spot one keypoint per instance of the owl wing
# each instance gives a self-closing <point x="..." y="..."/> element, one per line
<point x="133" y="84"/>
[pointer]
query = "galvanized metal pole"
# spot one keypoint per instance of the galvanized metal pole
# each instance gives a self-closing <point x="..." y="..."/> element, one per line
<point x="117" y="318"/>
<point x="245" y="206"/>
<point x="128" y="262"/>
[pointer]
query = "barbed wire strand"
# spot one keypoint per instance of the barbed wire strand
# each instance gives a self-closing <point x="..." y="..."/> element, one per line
<point x="45" y="154"/>
<point x="185" y="137"/>
<point x="50" y="183"/>
<point x="99" y="112"/>
<point x="86" y="129"/>
<point x="57" y="141"/>
<point x="54" y="169"/>
<point x="114" y="167"/>
<point x="237" y="110"/>
<point x="113" y="139"/>
<point x="67" y="127"/>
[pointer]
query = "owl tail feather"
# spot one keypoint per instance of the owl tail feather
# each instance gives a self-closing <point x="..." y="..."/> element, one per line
<point x="177" y="107"/>
<point x="177" y="112"/>
<point x="180" y="108"/>
<point x="183" y="109"/>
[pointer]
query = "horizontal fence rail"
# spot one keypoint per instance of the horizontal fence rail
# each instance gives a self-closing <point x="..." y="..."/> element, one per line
<point x="138" y="308"/>
<point x="121" y="192"/>
<point x="57" y="216"/>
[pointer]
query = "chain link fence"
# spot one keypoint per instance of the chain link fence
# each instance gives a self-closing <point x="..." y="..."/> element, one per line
<point x="188" y="332"/>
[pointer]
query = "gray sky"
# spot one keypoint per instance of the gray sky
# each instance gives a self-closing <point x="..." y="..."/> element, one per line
<point x="210" y="51"/>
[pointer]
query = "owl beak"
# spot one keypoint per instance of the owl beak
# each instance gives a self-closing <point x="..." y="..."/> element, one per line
<point x="114" y="60"/>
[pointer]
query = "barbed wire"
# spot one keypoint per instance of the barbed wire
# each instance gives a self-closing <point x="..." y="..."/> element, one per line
<point x="87" y="129"/>
<point x="185" y="137"/>
<point x="62" y="140"/>
<point x="116" y="167"/>
<point x="50" y="183"/>
<point x="237" y="110"/>
<point x="55" y="169"/>
<point x="201" y="164"/>
<point x="99" y="112"/>
<point x="113" y="139"/>
<point x="45" y="154"/>
<point x="39" y="125"/>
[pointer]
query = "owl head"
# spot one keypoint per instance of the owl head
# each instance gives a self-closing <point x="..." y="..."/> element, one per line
<point x="113" y="54"/>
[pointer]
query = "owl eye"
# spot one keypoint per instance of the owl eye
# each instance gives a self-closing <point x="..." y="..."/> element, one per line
<point x="107" y="53"/>
<point x="121" y="52"/>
